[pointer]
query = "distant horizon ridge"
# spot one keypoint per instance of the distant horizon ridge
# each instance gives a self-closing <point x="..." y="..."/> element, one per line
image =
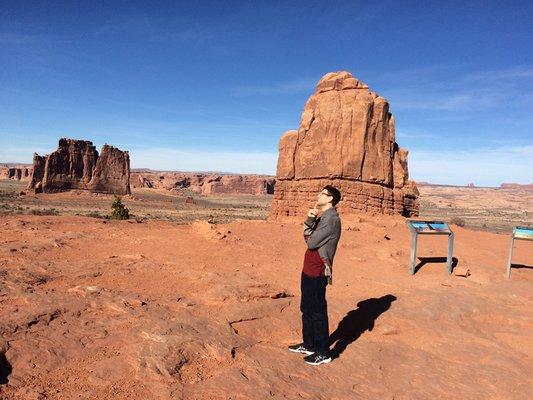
<point x="137" y="170"/>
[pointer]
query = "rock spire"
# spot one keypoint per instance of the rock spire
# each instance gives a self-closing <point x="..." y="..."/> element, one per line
<point x="346" y="138"/>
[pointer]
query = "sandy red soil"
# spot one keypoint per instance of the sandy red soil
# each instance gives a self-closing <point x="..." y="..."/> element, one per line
<point x="95" y="309"/>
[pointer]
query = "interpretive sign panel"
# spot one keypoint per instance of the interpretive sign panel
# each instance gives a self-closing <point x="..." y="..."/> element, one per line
<point x="519" y="233"/>
<point x="523" y="233"/>
<point x="429" y="228"/>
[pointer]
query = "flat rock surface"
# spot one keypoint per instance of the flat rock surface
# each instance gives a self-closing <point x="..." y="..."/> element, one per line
<point x="94" y="309"/>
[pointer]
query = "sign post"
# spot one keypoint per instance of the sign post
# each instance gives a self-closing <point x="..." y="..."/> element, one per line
<point x="429" y="228"/>
<point x="519" y="233"/>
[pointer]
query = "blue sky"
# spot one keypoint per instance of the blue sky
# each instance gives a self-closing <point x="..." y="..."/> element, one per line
<point x="212" y="85"/>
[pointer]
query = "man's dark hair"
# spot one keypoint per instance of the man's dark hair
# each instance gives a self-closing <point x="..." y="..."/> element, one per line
<point x="334" y="192"/>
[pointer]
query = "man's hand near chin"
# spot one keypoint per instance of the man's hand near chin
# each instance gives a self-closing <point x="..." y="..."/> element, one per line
<point x="313" y="212"/>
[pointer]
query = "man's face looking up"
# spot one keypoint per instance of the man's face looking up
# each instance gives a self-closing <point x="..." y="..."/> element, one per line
<point x="323" y="198"/>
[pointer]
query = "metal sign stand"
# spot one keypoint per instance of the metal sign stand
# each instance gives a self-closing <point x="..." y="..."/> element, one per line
<point x="519" y="233"/>
<point x="429" y="228"/>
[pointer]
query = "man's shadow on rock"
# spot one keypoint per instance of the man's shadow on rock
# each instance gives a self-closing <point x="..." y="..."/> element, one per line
<point x="357" y="321"/>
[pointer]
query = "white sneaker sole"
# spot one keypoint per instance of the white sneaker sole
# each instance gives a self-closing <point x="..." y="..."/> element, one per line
<point x="325" y="361"/>
<point x="301" y="352"/>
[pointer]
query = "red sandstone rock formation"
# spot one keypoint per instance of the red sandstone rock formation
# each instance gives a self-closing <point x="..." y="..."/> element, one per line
<point x="142" y="181"/>
<point x="36" y="180"/>
<point x="239" y="184"/>
<point x="76" y="165"/>
<point x="206" y="184"/>
<point x="346" y="138"/>
<point x="70" y="166"/>
<point x="167" y="180"/>
<point x="111" y="173"/>
<point x="15" y="172"/>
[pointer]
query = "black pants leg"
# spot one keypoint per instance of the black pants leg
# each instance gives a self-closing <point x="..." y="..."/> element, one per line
<point x="315" y="328"/>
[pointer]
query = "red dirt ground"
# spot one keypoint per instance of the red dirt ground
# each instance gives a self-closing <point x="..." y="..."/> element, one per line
<point x="95" y="309"/>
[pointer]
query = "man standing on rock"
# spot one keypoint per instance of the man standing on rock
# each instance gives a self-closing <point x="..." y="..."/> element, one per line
<point x="322" y="230"/>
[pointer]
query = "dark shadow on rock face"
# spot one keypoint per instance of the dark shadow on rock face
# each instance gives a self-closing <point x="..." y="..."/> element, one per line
<point x="5" y="368"/>
<point x="357" y="321"/>
<point x="426" y="260"/>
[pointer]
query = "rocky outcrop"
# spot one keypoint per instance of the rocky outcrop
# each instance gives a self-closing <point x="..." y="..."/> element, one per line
<point x="70" y="166"/>
<point x="238" y="184"/>
<point x="517" y="186"/>
<point x="77" y="165"/>
<point x="206" y="184"/>
<point x="166" y="180"/>
<point x="36" y="179"/>
<point x="346" y="138"/>
<point x="15" y="172"/>
<point x="111" y="173"/>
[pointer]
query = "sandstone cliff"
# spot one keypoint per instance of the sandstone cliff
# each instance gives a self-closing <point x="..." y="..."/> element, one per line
<point x="15" y="172"/>
<point x="206" y="184"/>
<point x="346" y="138"/>
<point x="239" y="184"/>
<point x="111" y="173"/>
<point x="76" y="165"/>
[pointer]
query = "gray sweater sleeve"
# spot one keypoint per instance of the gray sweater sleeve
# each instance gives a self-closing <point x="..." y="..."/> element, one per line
<point x="323" y="233"/>
<point x="309" y="226"/>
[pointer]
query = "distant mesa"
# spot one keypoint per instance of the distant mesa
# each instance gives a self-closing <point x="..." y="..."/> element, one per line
<point x="205" y="183"/>
<point x="77" y="165"/>
<point x="346" y="138"/>
<point x="17" y="172"/>
<point x="516" y="186"/>
<point x="423" y="183"/>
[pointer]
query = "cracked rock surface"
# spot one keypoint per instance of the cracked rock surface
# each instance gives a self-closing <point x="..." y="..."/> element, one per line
<point x="164" y="311"/>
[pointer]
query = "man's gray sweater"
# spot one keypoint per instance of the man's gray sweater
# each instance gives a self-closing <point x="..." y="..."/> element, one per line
<point x="323" y="233"/>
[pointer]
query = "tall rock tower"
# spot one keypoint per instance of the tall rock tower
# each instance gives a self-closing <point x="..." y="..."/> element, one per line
<point x="77" y="165"/>
<point x="346" y="138"/>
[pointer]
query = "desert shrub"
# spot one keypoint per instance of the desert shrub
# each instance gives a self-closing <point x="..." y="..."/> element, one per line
<point x="119" y="210"/>
<point x="457" y="221"/>
<point x="44" y="211"/>
<point x="94" y="214"/>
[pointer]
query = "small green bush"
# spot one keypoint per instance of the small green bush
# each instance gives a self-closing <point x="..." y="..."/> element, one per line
<point x="119" y="210"/>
